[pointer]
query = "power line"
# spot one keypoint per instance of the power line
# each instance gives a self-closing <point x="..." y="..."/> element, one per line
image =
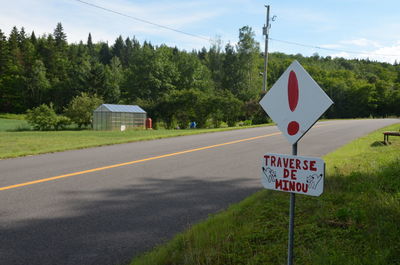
<point x="209" y="39"/>
<point x="144" y="21"/>
<point x="329" y="49"/>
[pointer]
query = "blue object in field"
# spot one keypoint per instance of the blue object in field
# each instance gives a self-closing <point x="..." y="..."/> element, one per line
<point x="193" y="125"/>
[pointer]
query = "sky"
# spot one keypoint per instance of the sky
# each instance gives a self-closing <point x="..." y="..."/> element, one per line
<point x="337" y="28"/>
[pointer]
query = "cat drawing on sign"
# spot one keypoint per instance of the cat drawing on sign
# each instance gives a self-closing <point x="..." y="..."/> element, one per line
<point x="313" y="180"/>
<point x="269" y="174"/>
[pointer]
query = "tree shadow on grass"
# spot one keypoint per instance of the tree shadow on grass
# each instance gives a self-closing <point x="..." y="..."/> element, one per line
<point x="378" y="144"/>
<point x="358" y="209"/>
<point x="112" y="226"/>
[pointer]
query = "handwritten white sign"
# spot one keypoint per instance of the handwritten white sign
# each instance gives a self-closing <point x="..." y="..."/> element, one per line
<point x="297" y="174"/>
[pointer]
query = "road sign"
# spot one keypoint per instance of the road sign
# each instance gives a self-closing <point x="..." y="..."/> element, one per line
<point x="295" y="102"/>
<point x="297" y="174"/>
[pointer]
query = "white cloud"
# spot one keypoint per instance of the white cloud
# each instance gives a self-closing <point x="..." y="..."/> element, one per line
<point x="388" y="54"/>
<point x="362" y="42"/>
<point x="171" y="14"/>
<point x="79" y="19"/>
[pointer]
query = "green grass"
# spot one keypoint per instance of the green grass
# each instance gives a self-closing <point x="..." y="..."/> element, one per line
<point x="12" y="116"/>
<point x="13" y="125"/>
<point x="355" y="221"/>
<point x="21" y="143"/>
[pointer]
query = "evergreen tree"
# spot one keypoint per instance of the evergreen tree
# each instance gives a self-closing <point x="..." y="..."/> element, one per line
<point x="127" y="52"/>
<point x="90" y="45"/>
<point x="60" y="37"/>
<point x="96" y="79"/>
<point x="36" y="70"/>
<point x="4" y="63"/>
<point x="13" y="41"/>
<point x="21" y="37"/>
<point x="118" y="48"/>
<point x="15" y="83"/>
<point x="231" y="78"/>
<point x="33" y="38"/>
<point x="89" y="42"/>
<point x="113" y="79"/>
<point x="104" y="53"/>
<point x="214" y="61"/>
<point x="4" y="55"/>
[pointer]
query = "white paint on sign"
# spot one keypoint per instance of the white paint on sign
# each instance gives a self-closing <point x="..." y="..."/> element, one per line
<point x="295" y="102"/>
<point x="297" y="174"/>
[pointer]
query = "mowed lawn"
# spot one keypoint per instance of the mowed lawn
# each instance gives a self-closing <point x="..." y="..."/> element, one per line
<point x="17" y="142"/>
<point x="13" y="125"/>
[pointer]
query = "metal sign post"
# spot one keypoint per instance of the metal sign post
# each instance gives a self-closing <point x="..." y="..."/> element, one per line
<point x="295" y="102"/>
<point x="291" y="217"/>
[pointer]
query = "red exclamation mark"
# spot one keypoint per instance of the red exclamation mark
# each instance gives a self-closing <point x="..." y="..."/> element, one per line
<point x="293" y="98"/>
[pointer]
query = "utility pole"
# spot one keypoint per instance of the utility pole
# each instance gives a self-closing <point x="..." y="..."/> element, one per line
<point x="266" y="32"/>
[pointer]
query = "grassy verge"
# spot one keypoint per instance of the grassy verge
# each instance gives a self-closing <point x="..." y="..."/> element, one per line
<point x="21" y="143"/>
<point x="12" y="116"/>
<point x="355" y="221"/>
<point x="13" y="125"/>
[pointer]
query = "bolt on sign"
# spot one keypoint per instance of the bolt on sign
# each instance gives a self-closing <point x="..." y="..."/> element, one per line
<point x="295" y="102"/>
<point x="297" y="174"/>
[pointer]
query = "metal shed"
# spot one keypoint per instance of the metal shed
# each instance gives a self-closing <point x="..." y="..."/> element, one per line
<point x="118" y="117"/>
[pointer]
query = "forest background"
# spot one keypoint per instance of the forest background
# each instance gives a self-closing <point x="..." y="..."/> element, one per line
<point x="210" y="86"/>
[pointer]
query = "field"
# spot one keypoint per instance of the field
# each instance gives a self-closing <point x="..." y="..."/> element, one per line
<point x="18" y="140"/>
<point x="13" y="125"/>
<point x="355" y="221"/>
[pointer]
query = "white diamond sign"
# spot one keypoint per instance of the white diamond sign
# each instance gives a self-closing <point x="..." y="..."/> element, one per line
<point x="295" y="102"/>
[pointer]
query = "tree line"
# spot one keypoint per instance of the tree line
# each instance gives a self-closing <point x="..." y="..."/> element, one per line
<point x="210" y="86"/>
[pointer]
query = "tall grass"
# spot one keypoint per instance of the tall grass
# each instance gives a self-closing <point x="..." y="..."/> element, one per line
<point x="355" y="221"/>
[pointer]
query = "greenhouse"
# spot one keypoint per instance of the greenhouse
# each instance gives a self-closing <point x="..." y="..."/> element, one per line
<point x="118" y="117"/>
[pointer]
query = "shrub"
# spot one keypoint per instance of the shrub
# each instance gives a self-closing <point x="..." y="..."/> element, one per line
<point x="246" y="123"/>
<point x="42" y="118"/>
<point x="62" y="122"/>
<point x="80" y="109"/>
<point x="45" y="118"/>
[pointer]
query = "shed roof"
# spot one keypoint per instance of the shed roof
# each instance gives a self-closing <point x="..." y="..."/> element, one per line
<point x="120" y="108"/>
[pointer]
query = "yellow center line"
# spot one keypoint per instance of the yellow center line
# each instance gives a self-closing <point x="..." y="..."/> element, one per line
<point x="131" y="162"/>
<point x="137" y="161"/>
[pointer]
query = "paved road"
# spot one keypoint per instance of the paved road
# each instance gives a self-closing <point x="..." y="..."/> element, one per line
<point x="109" y="214"/>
